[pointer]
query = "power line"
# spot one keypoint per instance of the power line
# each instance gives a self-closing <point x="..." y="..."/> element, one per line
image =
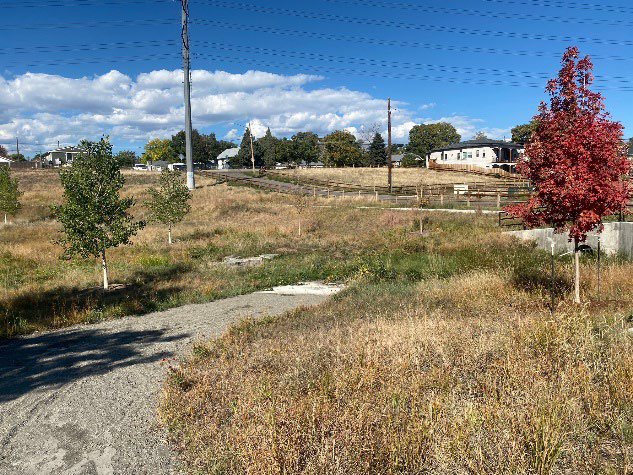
<point x="94" y="24"/>
<point x="411" y="26"/>
<point x="398" y="43"/>
<point x="379" y="74"/>
<point x="398" y="64"/>
<point x="74" y="61"/>
<point x="78" y="3"/>
<point x="485" y="14"/>
<point x="87" y="47"/>
<point x="565" y="4"/>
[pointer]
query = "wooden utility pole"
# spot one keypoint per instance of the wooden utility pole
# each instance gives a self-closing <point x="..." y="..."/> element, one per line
<point x="17" y="147"/>
<point x="185" y="59"/>
<point x="389" y="164"/>
<point x="250" y="134"/>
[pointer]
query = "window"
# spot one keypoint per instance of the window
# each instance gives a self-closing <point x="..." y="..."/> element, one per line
<point x="483" y="154"/>
<point x="477" y="153"/>
<point x="470" y="154"/>
<point x="458" y="155"/>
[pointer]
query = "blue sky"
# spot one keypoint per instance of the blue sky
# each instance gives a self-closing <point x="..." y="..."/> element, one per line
<point x="79" y="68"/>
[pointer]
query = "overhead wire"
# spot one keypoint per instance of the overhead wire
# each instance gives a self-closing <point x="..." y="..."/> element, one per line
<point x="566" y="4"/>
<point x="411" y="26"/>
<point x="485" y="14"/>
<point x="368" y="40"/>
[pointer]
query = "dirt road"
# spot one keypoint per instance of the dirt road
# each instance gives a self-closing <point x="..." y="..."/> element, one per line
<point x="82" y="400"/>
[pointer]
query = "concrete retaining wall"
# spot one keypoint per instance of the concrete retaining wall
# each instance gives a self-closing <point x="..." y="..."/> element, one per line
<point x="616" y="237"/>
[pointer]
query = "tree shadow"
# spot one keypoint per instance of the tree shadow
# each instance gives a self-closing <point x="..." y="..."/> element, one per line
<point x="537" y="280"/>
<point x="60" y="306"/>
<point x="58" y="358"/>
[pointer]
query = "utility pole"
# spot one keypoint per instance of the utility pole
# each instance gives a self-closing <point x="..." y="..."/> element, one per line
<point x="17" y="147"/>
<point x="185" y="59"/>
<point x="250" y="134"/>
<point x="389" y="164"/>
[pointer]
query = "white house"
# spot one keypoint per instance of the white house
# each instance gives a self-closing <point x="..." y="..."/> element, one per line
<point x="484" y="153"/>
<point x="223" y="158"/>
<point x="62" y="156"/>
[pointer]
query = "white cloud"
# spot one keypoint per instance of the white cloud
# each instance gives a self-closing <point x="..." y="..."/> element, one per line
<point x="42" y="108"/>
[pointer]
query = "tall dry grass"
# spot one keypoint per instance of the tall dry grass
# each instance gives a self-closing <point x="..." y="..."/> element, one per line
<point x="400" y="177"/>
<point x="469" y="374"/>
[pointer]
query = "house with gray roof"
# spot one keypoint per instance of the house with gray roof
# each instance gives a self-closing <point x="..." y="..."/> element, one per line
<point x="484" y="153"/>
<point x="62" y="156"/>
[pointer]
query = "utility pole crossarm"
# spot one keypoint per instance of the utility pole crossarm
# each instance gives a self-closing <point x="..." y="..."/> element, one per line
<point x="185" y="59"/>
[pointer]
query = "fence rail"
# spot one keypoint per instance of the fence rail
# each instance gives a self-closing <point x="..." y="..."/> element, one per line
<point x="475" y="170"/>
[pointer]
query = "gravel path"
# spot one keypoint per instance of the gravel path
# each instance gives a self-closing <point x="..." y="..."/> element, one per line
<point x="82" y="400"/>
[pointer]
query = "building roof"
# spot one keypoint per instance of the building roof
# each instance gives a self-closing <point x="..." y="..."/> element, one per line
<point x="476" y="143"/>
<point x="71" y="149"/>
<point x="228" y="153"/>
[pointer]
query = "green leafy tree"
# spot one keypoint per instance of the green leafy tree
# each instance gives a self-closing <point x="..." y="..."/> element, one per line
<point x="126" y="158"/>
<point x="9" y="193"/>
<point x="377" y="153"/>
<point x="306" y="147"/>
<point x="341" y="149"/>
<point x="479" y="135"/>
<point x="523" y="132"/>
<point x="425" y="137"/>
<point x="158" y="150"/>
<point x="93" y="216"/>
<point x="18" y="157"/>
<point x="410" y="160"/>
<point x="169" y="204"/>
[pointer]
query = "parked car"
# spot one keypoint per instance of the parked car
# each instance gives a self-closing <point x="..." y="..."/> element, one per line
<point x="177" y="166"/>
<point x="140" y="166"/>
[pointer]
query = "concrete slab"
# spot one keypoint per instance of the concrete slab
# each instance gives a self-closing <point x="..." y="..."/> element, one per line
<point x="306" y="288"/>
<point x="615" y="238"/>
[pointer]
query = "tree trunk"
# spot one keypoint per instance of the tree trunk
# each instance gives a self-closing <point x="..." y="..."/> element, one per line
<point x="169" y="235"/>
<point x="104" y="264"/>
<point x="577" y="272"/>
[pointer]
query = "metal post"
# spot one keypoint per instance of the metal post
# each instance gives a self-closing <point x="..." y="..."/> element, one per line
<point x="389" y="163"/>
<point x="551" y="288"/>
<point x="598" y="267"/>
<point x="185" y="59"/>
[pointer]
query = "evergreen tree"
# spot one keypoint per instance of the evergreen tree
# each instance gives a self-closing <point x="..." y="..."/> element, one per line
<point x="9" y="193"/>
<point x="305" y="147"/>
<point x="377" y="152"/>
<point x="93" y="216"/>
<point x="243" y="158"/>
<point x="169" y="204"/>
<point x="268" y="146"/>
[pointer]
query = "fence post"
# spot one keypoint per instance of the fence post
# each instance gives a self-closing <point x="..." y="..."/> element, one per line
<point x="328" y="192"/>
<point x="376" y="193"/>
<point x="468" y="199"/>
<point x="442" y="199"/>
<point x="314" y="191"/>
<point x="498" y="200"/>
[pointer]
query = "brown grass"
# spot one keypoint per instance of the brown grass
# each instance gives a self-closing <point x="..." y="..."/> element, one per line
<point x="466" y="375"/>
<point x="378" y="176"/>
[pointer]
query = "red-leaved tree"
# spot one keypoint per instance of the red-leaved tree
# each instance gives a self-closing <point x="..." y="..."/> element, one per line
<point x="575" y="159"/>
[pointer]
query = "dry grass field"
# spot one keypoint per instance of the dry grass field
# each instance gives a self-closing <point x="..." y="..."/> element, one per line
<point x="378" y="176"/>
<point x="38" y="290"/>
<point x="440" y="357"/>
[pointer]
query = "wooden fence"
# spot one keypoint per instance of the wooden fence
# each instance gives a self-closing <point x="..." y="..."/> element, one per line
<point x="462" y="195"/>
<point x="474" y="169"/>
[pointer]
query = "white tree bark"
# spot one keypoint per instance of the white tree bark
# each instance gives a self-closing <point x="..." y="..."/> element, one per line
<point x="104" y="265"/>
<point x="577" y="272"/>
<point x="169" y="235"/>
